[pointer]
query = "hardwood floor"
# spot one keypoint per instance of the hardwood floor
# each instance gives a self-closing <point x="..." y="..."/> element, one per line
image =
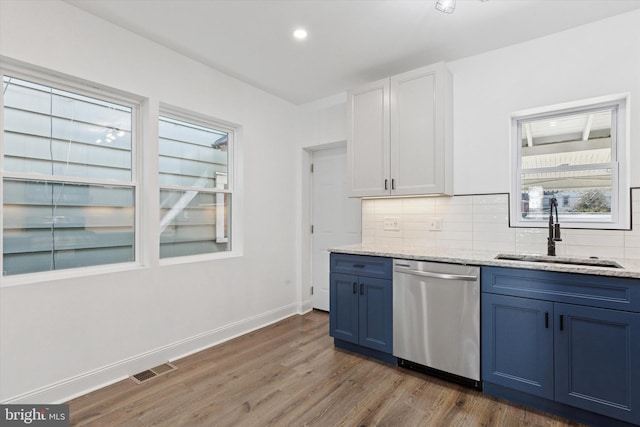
<point x="289" y="374"/>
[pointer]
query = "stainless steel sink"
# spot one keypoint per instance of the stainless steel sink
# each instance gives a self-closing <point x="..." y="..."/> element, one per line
<point x="593" y="262"/>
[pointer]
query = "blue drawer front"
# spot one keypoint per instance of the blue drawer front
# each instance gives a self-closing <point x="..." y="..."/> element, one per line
<point x="596" y="291"/>
<point x="362" y="265"/>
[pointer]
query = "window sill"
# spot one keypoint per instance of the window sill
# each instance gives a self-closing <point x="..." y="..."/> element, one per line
<point x="57" y="275"/>
<point x="200" y="258"/>
<point x="572" y="225"/>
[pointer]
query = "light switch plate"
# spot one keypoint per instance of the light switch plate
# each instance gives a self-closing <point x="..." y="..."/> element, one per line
<point x="434" y="224"/>
<point x="391" y="223"/>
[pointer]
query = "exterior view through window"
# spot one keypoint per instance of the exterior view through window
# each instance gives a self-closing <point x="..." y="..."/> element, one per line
<point x="195" y="192"/>
<point x="574" y="157"/>
<point x="68" y="181"/>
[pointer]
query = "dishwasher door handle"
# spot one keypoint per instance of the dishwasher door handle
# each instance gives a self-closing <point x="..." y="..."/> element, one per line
<point x="446" y="276"/>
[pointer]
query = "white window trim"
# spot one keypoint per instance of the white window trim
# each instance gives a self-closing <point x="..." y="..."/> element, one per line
<point x="234" y="186"/>
<point x="619" y="160"/>
<point x="81" y="87"/>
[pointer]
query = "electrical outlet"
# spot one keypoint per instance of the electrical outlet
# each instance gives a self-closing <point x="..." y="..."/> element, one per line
<point x="434" y="224"/>
<point x="391" y="223"/>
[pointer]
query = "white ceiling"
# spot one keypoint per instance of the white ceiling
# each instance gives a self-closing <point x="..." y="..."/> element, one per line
<point x="350" y="41"/>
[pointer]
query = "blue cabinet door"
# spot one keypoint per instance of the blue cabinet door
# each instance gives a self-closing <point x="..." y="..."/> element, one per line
<point x="343" y="307"/>
<point x="517" y="346"/>
<point x="598" y="360"/>
<point x="375" y="313"/>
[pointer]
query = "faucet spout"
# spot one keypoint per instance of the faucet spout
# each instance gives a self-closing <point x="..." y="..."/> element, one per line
<point x="554" y="229"/>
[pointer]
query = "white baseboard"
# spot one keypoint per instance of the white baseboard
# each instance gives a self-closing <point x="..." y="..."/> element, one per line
<point x="305" y="306"/>
<point x="79" y="385"/>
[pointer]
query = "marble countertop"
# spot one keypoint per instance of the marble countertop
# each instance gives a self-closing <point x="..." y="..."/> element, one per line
<point x="630" y="268"/>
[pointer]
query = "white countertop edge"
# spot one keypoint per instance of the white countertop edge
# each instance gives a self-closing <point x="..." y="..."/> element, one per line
<point x="631" y="268"/>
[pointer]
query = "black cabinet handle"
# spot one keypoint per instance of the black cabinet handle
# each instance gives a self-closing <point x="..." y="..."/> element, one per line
<point x="361" y="288"/>
<point x="355" y="285"/>
<point x="386" y="182"/>
<point x="358" y="265"/>
<point x="546" y="320"/>
<point x="393" y="184"/>
<point x="561" y="322"/>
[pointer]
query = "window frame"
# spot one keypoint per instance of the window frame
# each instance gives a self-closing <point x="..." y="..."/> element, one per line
<point x="189" y="117"/>
<point x="83" y="88"/>
<point x="620" y="207"/>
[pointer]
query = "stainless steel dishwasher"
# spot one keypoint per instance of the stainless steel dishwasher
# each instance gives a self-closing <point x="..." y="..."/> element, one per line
<point x="436" y="319"/>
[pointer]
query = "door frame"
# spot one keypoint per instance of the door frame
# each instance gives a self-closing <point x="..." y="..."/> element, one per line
<point x="305" y="298"/>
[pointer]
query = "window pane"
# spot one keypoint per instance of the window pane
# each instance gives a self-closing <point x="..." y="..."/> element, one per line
<point x="567" y="140"/>
<point x="193" y="222"/>
<point x="575" y="153"/>
<point x="192" y="156"/>
<point x="54" y="132"/>
<point x="583" y="196"/>
<point x="54" y="226"/>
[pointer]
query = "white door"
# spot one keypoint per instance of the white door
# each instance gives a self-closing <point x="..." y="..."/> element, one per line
<point x="335" y="217"/>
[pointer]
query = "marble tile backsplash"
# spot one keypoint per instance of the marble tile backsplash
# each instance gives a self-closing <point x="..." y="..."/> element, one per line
<point x="481" y="222"/>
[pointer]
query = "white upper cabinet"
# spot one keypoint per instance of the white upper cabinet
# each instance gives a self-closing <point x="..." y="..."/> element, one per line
<point x="368" y="140"/>
<point x="400" y="140"/>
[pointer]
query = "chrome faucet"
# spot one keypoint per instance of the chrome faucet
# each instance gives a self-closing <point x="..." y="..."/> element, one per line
<point x="554" y="229"/>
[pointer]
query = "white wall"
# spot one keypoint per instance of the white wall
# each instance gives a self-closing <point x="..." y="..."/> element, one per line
<point x="593" y="60"/>
<point x="320" y="124"/>
<point x="62" y="337"/>
<point x="323" y="121"/>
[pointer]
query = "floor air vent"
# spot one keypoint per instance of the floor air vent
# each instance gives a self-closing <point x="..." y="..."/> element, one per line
<point x="153" y="372"/>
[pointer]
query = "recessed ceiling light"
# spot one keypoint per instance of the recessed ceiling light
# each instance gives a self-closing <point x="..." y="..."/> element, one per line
<point x="446" y="6"/>
<point x="300" y="34"/>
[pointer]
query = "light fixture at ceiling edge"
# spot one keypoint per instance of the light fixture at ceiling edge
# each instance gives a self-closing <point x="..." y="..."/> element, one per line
<point x="448" y="6"/>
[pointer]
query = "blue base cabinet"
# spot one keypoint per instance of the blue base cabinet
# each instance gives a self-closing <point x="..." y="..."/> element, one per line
<point x="563" y="341"/>
<point x="597" y="360"/>
<point x="343" y="309"/>
<point x="360" y="309"/>
<point x="517" y="346"/>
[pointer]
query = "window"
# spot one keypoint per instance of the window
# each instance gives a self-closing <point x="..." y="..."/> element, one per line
<point x="574" y="153"/>
<point x="68" y="184"/>
<point x="195" y="186"/>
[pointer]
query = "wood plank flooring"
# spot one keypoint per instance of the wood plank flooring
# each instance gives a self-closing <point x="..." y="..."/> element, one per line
<point x="289" y="374"/>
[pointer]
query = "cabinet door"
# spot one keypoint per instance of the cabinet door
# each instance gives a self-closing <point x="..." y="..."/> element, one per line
<point x="376" y="314"/>
<point x="343" y="307"/>
<point x="598" y="360"/>
<point x="417" y="125"/>
<point x="368" y="140"/>
<point x="517" y="346"/>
